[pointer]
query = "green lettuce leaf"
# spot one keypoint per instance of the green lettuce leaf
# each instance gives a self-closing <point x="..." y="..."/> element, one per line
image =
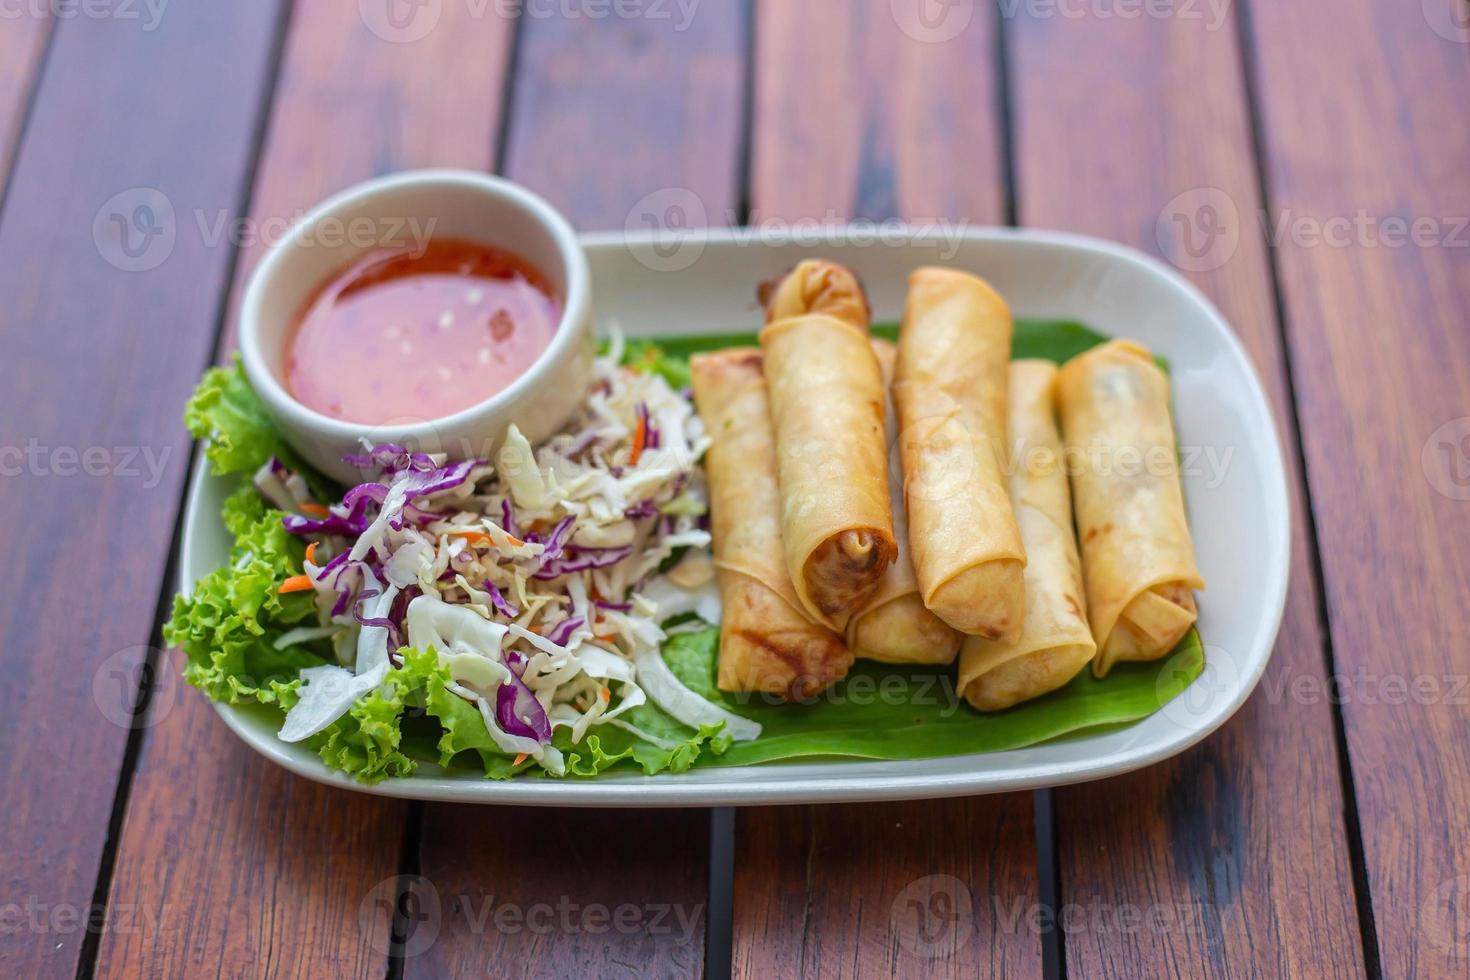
<point x="228" y="416"/>
<point x="227" y="626"/>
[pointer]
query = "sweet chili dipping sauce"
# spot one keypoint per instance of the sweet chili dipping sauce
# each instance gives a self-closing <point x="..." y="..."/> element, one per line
<point x="419" y="335"/>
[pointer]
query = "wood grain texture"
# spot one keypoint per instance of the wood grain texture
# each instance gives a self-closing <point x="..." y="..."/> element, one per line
<point x="1242" y="840"/>
<point x="610" y="110"/>
<point x="22" y="43"/>
<point x="531" y="892"/>
<point x="262" y="873"/>
<point x="1364" y="129"/>
<point x="854" y="118"/>
<point x="669" y="101"/>
<point x="94" y="378"/>
<point x="936" y="888"/>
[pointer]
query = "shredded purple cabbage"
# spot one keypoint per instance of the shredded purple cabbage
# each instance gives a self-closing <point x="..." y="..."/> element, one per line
<point x="562" y="631"/>
<point x="643" y="508"/>
<point x="389" y="458"/>
<point x="518" y="711"/>
<point x="498" y="601"/>
<point x="621" y="607"/>
<point x="557" y="539"/>
<point x="350" y="524"/>
<point x="581" y="561"/>
<point x="384" y="622"/>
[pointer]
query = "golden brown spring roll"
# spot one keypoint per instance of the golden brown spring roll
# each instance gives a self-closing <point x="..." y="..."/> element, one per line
<point x="894" y="626"/>
<point x="1137" y="555"/>
<point x="767" y="643"/>
<point x="1055" y="641"/>
<point x="817" y="286"/>
<point x="826" y="396"/>
<point x="950" y="385"/>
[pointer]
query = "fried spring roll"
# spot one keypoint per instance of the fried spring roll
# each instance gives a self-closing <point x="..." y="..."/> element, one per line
<point x="1056" y="641"/>
<point x="950" y="385"/>
<point x="894" y="626"/>
<point x="767" y="643"/>
<point x="1137" y="555"/>
<point x="817" y="286"/>
<point x="826" y="395"/>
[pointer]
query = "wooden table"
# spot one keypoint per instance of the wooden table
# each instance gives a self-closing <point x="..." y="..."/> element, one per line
<point x="1307" y="162"/>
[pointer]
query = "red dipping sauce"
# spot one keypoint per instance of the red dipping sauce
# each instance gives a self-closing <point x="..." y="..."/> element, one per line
<point x="398" y="335"/>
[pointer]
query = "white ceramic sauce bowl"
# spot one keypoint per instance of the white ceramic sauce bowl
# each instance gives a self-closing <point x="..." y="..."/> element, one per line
<point x="401" y="209"/>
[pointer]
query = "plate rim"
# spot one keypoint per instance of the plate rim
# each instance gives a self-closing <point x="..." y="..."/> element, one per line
<point x="851" y="785"/>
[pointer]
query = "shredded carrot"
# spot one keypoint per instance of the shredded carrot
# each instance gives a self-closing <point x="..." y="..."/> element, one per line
<point x="315" y="510"/>
<point x="640" y="436"/>
<point x="311" y="552"/>
<point x="296" y="583"/>
<point x="520" y="758"/>
<point x="480" y="538"/>
<point x="605" y="693"/>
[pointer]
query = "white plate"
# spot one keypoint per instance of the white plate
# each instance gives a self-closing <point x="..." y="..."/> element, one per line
<point x="1240" y="521"/>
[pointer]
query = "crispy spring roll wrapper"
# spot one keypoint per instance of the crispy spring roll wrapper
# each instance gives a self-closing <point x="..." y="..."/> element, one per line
<point x="949" y="385"/>
<point x="817" y="286"/>
<point x="767" y="643"/>
<point x="894" y="626"/>
<point x="826" y="396"/>
<point x="1137" y="554"/>
<point x="1056" y="641"/>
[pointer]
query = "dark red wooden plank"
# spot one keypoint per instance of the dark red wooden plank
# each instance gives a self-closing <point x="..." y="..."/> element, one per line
<point x="1366" y="138"/>
<point x="608" y="110"/>
<point x="110" y="303"/>
<point x="262" y="872"/>
<point x="605" y="112"/>
<point x="22" y="43"/>
<point x="860" y="114"/>
<point x="1242" y="841"/>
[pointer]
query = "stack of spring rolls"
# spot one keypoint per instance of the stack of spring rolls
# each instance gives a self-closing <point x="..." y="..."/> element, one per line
<point x="912" y="505"/>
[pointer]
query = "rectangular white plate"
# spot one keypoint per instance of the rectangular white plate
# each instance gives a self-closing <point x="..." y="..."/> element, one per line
<point x="655" y="285"/>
